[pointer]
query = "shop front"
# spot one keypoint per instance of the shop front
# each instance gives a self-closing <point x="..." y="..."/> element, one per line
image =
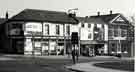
<point x="92" y="48"/>
<point x="43" y="46"/>
<point x="121" y="47"/>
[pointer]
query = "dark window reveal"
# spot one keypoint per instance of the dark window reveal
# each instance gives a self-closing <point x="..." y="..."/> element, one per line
<point x="47" y="29"/>
<point x="89" y="25"/>
<point x="68" y="30"/>
<point x="57" y="29"/>
<point x="82" y="25"/>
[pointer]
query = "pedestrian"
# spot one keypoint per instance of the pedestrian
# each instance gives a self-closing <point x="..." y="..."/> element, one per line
<point x="77" y="55"/>
<point x="69" y="52"/>
<point x="73" y="56"/>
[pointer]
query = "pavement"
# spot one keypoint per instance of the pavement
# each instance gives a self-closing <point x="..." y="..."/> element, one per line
<point x="44" y="57"/>
<point x="6" y="58"/>
<point x="78" y="67"/>
<point x="89" y="66"/>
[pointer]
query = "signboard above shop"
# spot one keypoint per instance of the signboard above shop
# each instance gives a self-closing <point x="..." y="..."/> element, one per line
<point x="33" y="28"/>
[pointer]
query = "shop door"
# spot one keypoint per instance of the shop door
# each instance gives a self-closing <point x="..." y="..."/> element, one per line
<point x="45" y="48"/>
<point x="37" y="48"/>
<point x="18" y="46"/>
<point x="99" y="49"/>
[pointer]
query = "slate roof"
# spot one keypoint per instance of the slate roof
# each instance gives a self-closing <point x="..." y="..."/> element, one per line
<point x="43" y="16"/>
<point x="102" y="19"/>
<point x="106" y="18"/>
<point x="91" y="20"/>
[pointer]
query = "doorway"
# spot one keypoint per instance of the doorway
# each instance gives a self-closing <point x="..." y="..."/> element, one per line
<point x="18" y="46"/>
<point x="99" y="49"/>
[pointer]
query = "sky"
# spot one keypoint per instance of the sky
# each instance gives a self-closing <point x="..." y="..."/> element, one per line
<point x="85" y="7"/>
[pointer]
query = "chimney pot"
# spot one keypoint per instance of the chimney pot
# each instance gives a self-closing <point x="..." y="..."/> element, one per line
<point x="6" y="15"/>
<point x="110" y="12"/>
<point x="98" y="13"/>
<point x="87" y="17"/>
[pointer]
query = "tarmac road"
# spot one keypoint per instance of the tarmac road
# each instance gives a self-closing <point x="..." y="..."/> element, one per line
<point x="41" y="64"/>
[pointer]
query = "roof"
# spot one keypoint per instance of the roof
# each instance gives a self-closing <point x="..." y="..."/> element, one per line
<point x="43" y="16"/>
<point x="107" y="18"/>
<point x="95" y="20"/>
<point x="81" y="19"/>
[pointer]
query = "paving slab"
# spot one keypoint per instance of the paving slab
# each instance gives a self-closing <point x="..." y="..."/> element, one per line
<point x="88" y="67"/>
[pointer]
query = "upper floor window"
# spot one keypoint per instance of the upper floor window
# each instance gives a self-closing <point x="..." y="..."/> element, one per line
<point x="47" y="29"/>
<point x="89" y="25"/>
<point x="57" y="29"/>
<point x="68" y="30"/>
<point x="15" y="29"/>
<point x="82" y="24"/>
<point x="89" y="36"/>
<point x="116" y="32"/>
<point x="110" y="32"/>
<point x="123" y="33"/>
<point x="102" y="25"/>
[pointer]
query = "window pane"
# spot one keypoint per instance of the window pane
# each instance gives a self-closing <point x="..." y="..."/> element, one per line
<point x="57" y="30"/>
<point x="110" y="33"/>
<point x="116" y="32"/>
<point x="123" y="33"/>
<point x="82" y="24"/>
<point x="46" y="29"/>
<point x="89" y="25"/>
<point x="89" y="36"/>
<point x="68" y="30"/>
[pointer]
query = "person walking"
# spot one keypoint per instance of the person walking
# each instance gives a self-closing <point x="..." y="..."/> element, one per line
<point x="73" y="56"/>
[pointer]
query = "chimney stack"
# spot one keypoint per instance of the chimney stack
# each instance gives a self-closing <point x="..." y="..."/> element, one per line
<point x="86" y="17"/>
<point x="6" y="15"/>
<point x="110" y="12"/>
<point x="98" y="13"/>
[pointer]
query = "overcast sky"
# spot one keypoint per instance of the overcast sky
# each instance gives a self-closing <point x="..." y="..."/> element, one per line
<point x="86" y="7"/>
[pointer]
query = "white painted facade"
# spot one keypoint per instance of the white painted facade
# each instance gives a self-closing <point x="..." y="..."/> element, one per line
<point x="84" y="32"/>
<point x="106" y="32"/>
<point x="35" y="27"/>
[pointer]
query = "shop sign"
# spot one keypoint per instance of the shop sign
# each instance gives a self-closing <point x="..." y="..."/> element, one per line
<point x="33" y="27"/>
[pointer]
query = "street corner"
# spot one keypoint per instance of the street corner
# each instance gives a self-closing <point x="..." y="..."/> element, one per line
<point x="119" y="66"/>
<point x="73" y="68"/>
<point x="80" y="67"/>
<point x="90" y="67"/>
